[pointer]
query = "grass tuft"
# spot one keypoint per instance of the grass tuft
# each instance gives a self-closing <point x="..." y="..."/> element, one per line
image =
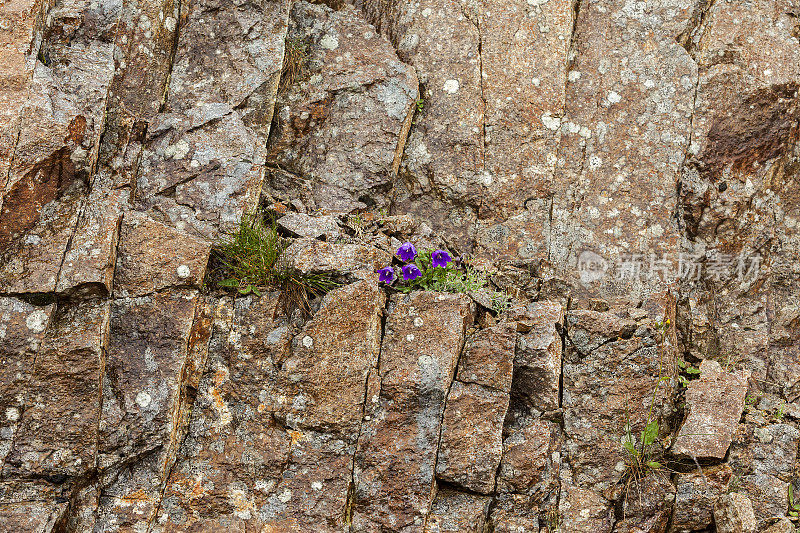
<point x="294" y="58"/>
<point x="249" y="261"/>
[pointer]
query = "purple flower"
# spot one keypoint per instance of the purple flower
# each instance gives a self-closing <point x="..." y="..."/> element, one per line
<point x="440" y="258"/>
<point x="411" y="272"/>
<point x="407" y="252"/>
<point x="386" y="274"/>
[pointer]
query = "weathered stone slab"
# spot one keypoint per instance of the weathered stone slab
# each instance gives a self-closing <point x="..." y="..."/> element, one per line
<point x="322" y="384"/>
<point x="344" y="119"/>
<point x="22" y="330"/>
<point x="145" y="361"/>
<point x="311" y="256"/>
<point x="202" y="161"/>
<point x="537" y="362"/>
<point x="154" y="256"/>
<point x="36" y="506"/>
<point x="471" y="442"/>
<point x="513" y="513"/>
<point x="528" y="465"/>
<point x="395" y="461"/>
<point x="90" y="259"/>
<point x="234" y="453"/>
<point x="457" y="512"/>
<point x="585" y="511"/>
<point x="488" y="357"/>
<point x="612" y="370"/>
<point x="715" y="403"/>
<point x="303" y="225"/>
<point x="733" y="513"/>
<point x="695" y="495"/>
<point x="647" y="507"/>
<point x="57" y="435"/>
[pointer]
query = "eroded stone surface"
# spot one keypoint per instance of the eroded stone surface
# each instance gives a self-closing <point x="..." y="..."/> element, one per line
<point x="537" y="362"/>
<point x="733" y="513"/>
<point x="488" y="357"/>
<point x="695" y="495"/>
<point x="715" y="403"/>
<point x="454" y="512"/>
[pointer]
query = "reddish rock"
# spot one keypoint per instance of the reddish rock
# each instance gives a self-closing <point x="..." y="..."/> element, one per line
<point x="396" y="457"/>
<point x="537" y="363"/>
<point x="733" y="513"/>
<point x="647" y="507"/>
<point x="57" y="434"/>
<point x="715" y="403"/>
<point x="584" y="511"/>
<point x="527" y="466"/>
<point x="311" y="256"/>
<point x="322" y="384"/>
<point x="471" y="440"/>
<point x="153" y="256"/>
<point x="457" y="512"/>
<point x="351" y="140"/>
<point x="514" y="513"/>
<point x="695" y="495"/>
<point x="22" y="330"/>
<point x="488" y="357"/>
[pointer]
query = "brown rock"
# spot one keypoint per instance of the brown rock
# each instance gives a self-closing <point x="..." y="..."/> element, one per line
<point x="457" y="512"/>
<point x="322" y="384"/>
<point x="784" y="525"/>
<point x="584" y="511"/>
<point x="202" y="161"/>
<point x="513" y="513"/>
<point x="488" y="357"/>
<point x="396" y="457"/>
<point x="146" y="355"/>
<point x="471" y="442"/>
<point x="715" y="403"/>
<point x="733" y="513"/>
<point x="153" y="256"/>
<point x="311" y="256"/>
<point x="695" y="495"/>
<point x="303" y="225"/>
<point x="647" y="506"/>
<point x="350" y="139"/>
<point x="57" y="434"/>
<point x="22" y="330"/>
<point x="527" y="466"/>
<point x="612" y="369"/>
<point x="90" y="259"/>
<point x="537" y="363"/>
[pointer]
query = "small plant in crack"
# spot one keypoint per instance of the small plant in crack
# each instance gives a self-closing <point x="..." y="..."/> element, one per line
<point x="553" y="520"/>
<point x="690" y="371"/>
<point x="249" y="261"/>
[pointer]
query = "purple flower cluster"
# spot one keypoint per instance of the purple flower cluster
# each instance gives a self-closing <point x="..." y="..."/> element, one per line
<point x="408" y="253"/>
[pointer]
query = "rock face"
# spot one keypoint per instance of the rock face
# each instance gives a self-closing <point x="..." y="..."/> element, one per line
<point x="624" y="174"/>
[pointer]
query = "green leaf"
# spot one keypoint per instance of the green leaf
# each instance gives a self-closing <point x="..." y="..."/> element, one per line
<point x="791" y="496"/>
<point x="247" y="290"/>
<point x="692" y="370"/>
<point x="231" y="283"/>
<point x="681" y="363"/>
<point x="792" y="513"/>
<point x="631" y="448"/>
<point x="650" y="433"/>
<point x="655" y="465"/>
<point x="256" y="291"/>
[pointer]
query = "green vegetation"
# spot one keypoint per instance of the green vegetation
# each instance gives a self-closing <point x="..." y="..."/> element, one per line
<point x="294" y="58"/>
<point x="461" y="279"/>
<point x="249" y="261"/>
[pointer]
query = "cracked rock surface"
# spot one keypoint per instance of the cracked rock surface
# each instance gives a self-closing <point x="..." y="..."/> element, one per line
<point x="626" y="173"/>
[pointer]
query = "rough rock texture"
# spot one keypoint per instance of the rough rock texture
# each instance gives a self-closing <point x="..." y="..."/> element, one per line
<point x="626" y="174"/>
<point x="715" y="403"/>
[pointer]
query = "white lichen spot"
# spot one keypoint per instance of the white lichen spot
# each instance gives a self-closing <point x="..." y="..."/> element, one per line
<point x="450" y="86"/>
<point x="317" y="485"/>
<point x="285" y="496"/>
<point x="574" y="75"/>
<point x="36" y="321"/>
<point x="329" y="42"/>
<point x="614" y="97"/>
<point x="595" y="162"/>
<point x="170" y="23"/>
<point x="536" y="82"/>
<point x="12" y="414"/>
<point x="308" y="342"/>
<point x="143" y="399"/>
<point x="184" y="272"/>
<point x="418" y="322"/>
<point x="427" y="12"/>
<point x="550" y="122"/>
<point x="410" y="337"/>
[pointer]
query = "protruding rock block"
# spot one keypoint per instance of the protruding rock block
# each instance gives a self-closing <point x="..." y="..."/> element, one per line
<point x="695" y="496"/>
<point x="457" y="512"/>
<point x="715" y="403"/>
<point x="488" y="357"/>
<point x="472" y="443"/>
<point x="311" y="256"/>
<point x="396" y="457"/>
<point x="537" y="363"/>
<point x="153" y="256"/>
<point x="585" y="511"/>
<point x="733" y="513"/>
<point x="322" y="384"/>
